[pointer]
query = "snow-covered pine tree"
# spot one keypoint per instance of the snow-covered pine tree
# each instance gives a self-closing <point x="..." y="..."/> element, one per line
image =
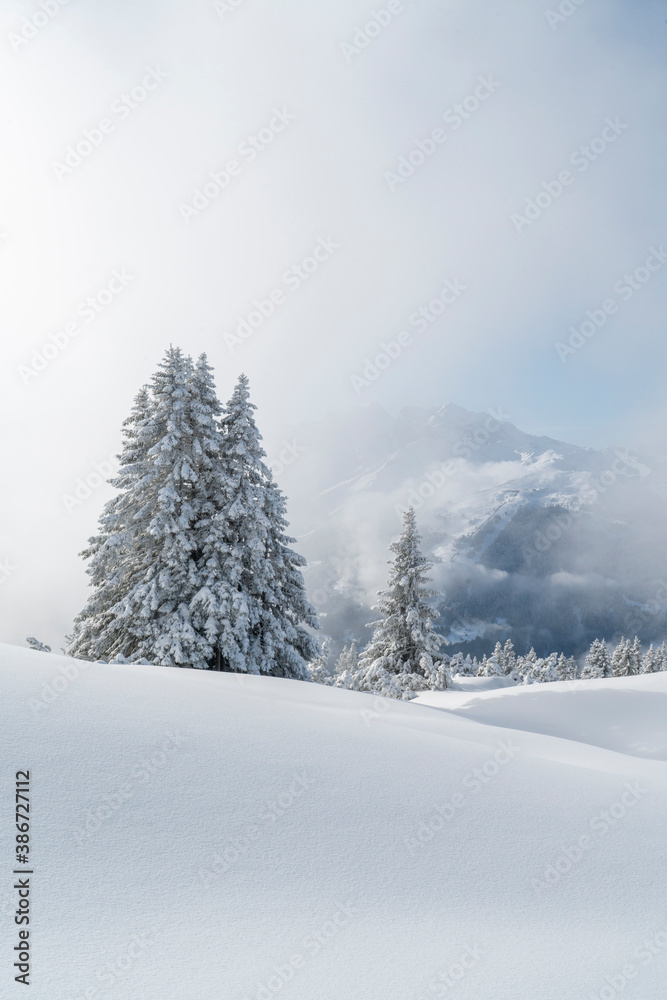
<point x="192" y="565"/>
<point x="97" y="628"/>
<point x="403" y="654"/>
<point x="597" y="661"/>
<point x="253" y="605"/>
<point x="549" y="668"/>
<point x="286" y="643"/>
<point x="41" y="647"/>
<point x="649" y="661"/>
<point x="319" y="668"/>
<point x="509" y="657"/>
<point x="149" y="539"/>
<point x="528" y="667"/>
<point x="621" y="661"/>
<point x="458" y="664"/>
<point x="347" y="665"/>
<point x="492" y="667"/>
<point x="636" y="656"/>
<point x="566" y="668"/>
<point x="661" y="657"/>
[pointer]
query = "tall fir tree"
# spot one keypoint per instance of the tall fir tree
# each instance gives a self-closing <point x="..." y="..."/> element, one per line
<point x="150" y="528"/>
<point x="97" y="629"/>
<point x="403" y="654"/>
<point x="253" y="605"/>
<point x="192" y="566"/>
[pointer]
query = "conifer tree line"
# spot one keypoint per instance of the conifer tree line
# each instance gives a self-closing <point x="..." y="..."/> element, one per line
<point x="625" y="659"/>
<point x="192" y="565"/>
<point x="404" y="657"/>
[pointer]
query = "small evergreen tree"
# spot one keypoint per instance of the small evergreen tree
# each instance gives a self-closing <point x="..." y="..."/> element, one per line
<point x="319" y="668"/>
<point x="509" y="657"/>
<point x="621" y="661"/>
<point x="649" y="661"/>
<point x="37" y="645"/>
<point x="636" y="657"/>
<point x="403" y="653"/>
<point x="597" y="661"/>
<point x="661" y="657"/>
<point x="549" y="669"/>
<point x="493" y="667"/>
<point x="566" y="668"/>
<point x="347" y="665"/>
<point x="529" y="668"/>
<point x="469" y="667"/>
<point x="458" y="664"/>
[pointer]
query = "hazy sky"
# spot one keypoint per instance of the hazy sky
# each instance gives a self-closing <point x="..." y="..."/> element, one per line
<point x="114" y="115"/>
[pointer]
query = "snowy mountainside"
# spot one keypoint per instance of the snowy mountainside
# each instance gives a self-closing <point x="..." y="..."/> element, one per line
<point x="548" y="543"/>
<point x="201" y="834"/>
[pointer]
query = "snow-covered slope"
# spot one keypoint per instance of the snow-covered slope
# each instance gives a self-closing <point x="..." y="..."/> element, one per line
<point x="625" y="714"/>
<point x="209" y="835"/>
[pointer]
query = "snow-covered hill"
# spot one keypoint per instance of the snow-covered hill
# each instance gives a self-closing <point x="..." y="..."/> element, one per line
<point x="544" y="542"/>
<point x="199" y="835"/>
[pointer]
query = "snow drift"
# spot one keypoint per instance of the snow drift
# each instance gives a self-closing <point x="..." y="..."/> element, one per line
<point x="200" y="834"/>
